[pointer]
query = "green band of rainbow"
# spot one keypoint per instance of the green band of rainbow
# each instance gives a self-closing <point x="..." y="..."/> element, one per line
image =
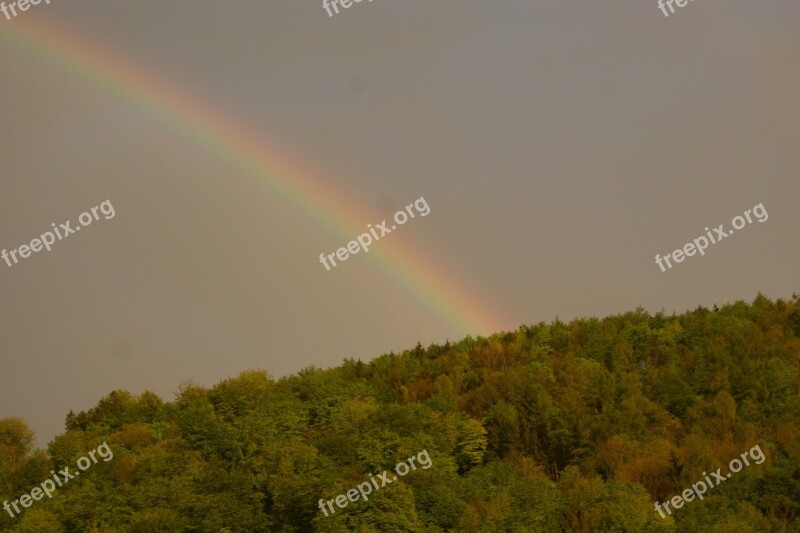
<point x="430" y="284"/>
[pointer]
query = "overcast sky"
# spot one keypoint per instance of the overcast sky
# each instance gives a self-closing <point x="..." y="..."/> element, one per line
<point x="559" y="144"/>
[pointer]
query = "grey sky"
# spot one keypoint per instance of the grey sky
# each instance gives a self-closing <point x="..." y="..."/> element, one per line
<point x="560" y="145"/>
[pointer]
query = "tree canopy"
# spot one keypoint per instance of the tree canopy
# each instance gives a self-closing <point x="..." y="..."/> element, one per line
<point x="575" y="427"/>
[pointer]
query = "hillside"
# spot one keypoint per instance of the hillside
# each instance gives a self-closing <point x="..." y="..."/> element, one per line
<point x="578" y="426"/>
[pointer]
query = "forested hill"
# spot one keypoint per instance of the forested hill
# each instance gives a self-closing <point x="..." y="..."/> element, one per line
<point x="575" y="427"/>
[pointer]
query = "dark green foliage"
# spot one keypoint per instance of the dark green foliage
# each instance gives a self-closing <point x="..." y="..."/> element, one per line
<point x="574" y="427"/>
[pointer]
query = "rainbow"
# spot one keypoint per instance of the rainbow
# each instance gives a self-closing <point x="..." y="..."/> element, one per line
<point x="428" y="283"/>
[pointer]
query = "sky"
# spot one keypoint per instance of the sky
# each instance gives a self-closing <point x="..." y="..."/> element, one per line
<point x="559" y="144"/>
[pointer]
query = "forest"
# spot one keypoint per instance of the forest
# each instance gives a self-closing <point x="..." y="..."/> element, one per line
<point x="554" y="427"/>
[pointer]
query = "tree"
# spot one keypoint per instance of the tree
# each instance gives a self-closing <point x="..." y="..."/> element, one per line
<point x="16" y="442"/>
